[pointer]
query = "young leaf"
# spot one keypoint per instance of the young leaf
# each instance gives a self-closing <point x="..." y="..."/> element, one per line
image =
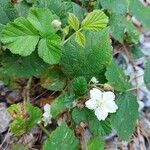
<point x="17" y="37"/>
<point x="80" y="38"/>
<point x="73" y="21"/>
<point x="124" y="119"/>
<point x="116" y="77"/>
<point x="95" y="144"/>
<point x="62" y="138"/>
<point x="147" y="74"/>
<point x="79" y="86"/>
<point x="49" y="49"/>
<point x="95" y="21"/>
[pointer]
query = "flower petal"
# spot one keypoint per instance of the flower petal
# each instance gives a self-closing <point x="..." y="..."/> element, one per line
<point x="95" y="93"/>
<point x="47" y="107"/>
<point x="108" y="96"/>
<point x="101" y="114"/>
<point x="90" y="104"/>
<point x="111" y="106"/>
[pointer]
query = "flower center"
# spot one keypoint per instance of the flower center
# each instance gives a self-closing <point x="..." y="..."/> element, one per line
<point x="100" y="103"/>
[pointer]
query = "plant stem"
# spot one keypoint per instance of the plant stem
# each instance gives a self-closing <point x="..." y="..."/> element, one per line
<point x="44" y="129"/>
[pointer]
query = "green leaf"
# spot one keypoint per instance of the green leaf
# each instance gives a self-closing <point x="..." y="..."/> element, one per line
<point x="49" y="49"/>
<point x="124" y="119"/>
<point x="58" y="105"/>
<point x="99" y="128"/>
<point x="61" y="139"/>
<point x="140" y="12"/>
<point x="17" y="37"/>
<point x="89" y="60"/>
<point x="73" y="21"/>
<point x="79" y="86"/>
<point x="147" y="74"/>
<point x="29" y="66"/>
<point x="18" y="147"/>
<point x="31" y="1"/>
<point x="41" y="19"/>
<point x="95" y="21"/>
<point x="116" y="77"/>
<point x="79" y="115"/>
<point x="80" y="38"/>
<point x="53" y="80"/>
<point x="95" y="144"/>
<point x="68" y="102"/>
<point x="116" y="6"/>
<point x="8" y="13"/>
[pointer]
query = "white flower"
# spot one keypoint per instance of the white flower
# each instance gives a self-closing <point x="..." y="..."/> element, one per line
<point x="94" y="80"/>
<point x="56" y="23"/>
<point x="102" y="103"/>
<point x="47" y="115"/>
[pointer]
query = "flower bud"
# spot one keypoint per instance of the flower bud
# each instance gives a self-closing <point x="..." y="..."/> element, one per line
<point x="56" y="24"/>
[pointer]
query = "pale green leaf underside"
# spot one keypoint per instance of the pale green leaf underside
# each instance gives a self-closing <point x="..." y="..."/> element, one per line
<point x="61" y="139"/>
<point x="95" y="21"/>
<point x="17" y="37"/>
<point x="49" y="49"/>
<point x="124" y="119"/>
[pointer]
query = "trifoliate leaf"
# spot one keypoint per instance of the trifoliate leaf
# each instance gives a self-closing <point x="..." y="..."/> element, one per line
<point x="79" y="86"/>
<point x="49" y="49"/>
<point x="8" y="13"/>
<point x="62" y="138"/>
<point x="73" y="21"/>
<point x="124" y="119"/>
<point x="53" y="80"/>
<point x="95" y="21"/>
<point x="17" y="37"/>
<point x="41" y="19"/>
<point x="116" y="6"/>
<point x="147" y="74"/>
<point x="140" y="12"/>
<point x="80" y="38"/>
<point x="95" y="144"/>
<point x="116" y="77"/>
<point x="29" y="66"/>
<point x="58" y="105"/>
<point x="89" y="60"/>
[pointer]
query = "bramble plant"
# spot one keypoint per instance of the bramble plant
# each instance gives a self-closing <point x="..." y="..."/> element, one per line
<point x="69" y="47"/>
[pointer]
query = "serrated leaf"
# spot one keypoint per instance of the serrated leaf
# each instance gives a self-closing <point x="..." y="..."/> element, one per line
<point x="116" y="6"/>
<point x="80" y="38"/>
<point x="53" y="80"/>
<point x="41" y="19"/>
<point x="99" y="128"/>
<point x="140" y="12"/>
<point x="79" y="115"/>
<point x="95" y="21"/>
<point x="14" y="65"/>
<point x="79" y="86"/>
<point x="68" y="102"/>
<point x="73" y="21"/>
<point x="49" y="49"/>
<point x="8" y="13"/>
<point x="89" y="60"/>
<point x="124" y="119"/>
<point x="17" y="37"/>
<point x="116" y="77"/>
<point x="58" y="105"/>
<point x="95" y="144"/>
<point x="62" y="138"/>
<point x="147" y="74"/>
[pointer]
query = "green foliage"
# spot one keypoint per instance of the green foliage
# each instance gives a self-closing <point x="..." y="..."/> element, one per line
<point x="62" y="138"/>
<point x="90" y="60"/>
<point x="80" y="38"/>
<point x="79" y="86"/>
<point x="95" y="144"/>
<point x="18" y="147"/>
<point x="73" y="21"/>
<point x="147" y="74"/>
<point x="116" y="77"/>
<point x="124" y="119"/>
<point x="24" y="117"/>
<point x="95" y="21"/>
